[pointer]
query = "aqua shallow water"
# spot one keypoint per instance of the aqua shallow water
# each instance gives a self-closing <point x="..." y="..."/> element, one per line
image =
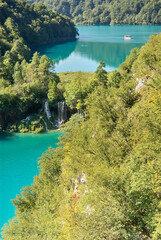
<point x="18" y="165"/>
<point x="95" y="44"/>
<point x="19" y="152"/>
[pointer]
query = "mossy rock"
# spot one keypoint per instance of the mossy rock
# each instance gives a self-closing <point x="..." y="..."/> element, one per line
<point x="39" y="130"/>
<point x="34" y="125"/>
<point x="12" y="128"/>
<point x="24" y="130"/>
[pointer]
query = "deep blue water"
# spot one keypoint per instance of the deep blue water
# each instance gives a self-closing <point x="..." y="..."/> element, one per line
<point x="95" y="44"/>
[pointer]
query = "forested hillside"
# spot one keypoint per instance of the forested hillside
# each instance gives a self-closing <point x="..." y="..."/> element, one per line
<point x="26" y="82"/>
<point x="32" y="22"/>
<point x="108" y="11"/>
<point x="105" y="183"/>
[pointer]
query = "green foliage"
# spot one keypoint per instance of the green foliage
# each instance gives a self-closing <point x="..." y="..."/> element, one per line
<point x="104" y="181"/>
<point x="32" y="22"/>
<point x="75" y="88"/>
<point x="73" y="121"/>
<point x="101" y="74"/>
<point x="114" y="79"/>
<point x="53" y="91"/>
<point x="26" y="82"/>
<point x="25" y="86"/>
<point x="126" y="66"/>
<point x="149" y="60"/>
<point x="32" y="197"/>
<point x="35" y="124"/>
<point x="112" y="12"/>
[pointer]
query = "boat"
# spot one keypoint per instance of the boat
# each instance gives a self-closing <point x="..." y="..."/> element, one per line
<point x="128" y="37"/>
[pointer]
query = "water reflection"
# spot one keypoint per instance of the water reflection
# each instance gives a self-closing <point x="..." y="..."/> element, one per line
<point x="6" y="136"/>
<point x="87" y="55"/>
<point x="113" y="54"/>
<point x="95" y="44"/>
<point x="57" y="52"/>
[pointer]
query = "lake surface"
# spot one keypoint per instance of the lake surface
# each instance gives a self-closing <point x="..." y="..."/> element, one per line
<point x="19" y="152"/>
<point x="18" y="165"/>
<point x="95" y="44"/>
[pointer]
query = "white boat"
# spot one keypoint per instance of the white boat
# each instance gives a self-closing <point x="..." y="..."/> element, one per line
<point x="128" y="37"/>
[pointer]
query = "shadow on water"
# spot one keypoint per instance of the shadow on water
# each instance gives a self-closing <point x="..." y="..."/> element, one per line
<point x="6" y="136"/>
<point x="57" y="52"/>
<point x="112" y="53"/>
<point x="95" y="44"/>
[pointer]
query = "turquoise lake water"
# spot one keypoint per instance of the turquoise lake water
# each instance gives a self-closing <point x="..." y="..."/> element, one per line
<point x="19" y="154"/>
<point x="95" y="44"/>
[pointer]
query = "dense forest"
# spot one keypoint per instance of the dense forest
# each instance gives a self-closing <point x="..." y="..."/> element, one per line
<point x="26" y="82"/>
<point x="104" y="181"/>
<point x="92" y="12"/>
<point x="32" y="22"/>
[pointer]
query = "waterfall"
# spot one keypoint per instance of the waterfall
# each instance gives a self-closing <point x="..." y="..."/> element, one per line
<point x="46" y="127"/>
<point x="48" y="114"/>
<point x="46" y="109"/>
<point x="62" y="112"/>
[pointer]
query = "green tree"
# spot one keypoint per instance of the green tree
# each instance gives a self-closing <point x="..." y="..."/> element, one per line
<point x="101" y="74"/>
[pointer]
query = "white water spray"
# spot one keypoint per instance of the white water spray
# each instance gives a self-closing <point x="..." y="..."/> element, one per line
<point x="62" y="112"/>
<point x="47" y="109"/>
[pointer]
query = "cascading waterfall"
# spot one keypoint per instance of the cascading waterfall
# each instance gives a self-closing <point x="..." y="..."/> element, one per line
<point x="46" y="127"/>
<point x="47" y="109"/>
<point x="48" y="113"/>
<point x="62" y="112"/>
